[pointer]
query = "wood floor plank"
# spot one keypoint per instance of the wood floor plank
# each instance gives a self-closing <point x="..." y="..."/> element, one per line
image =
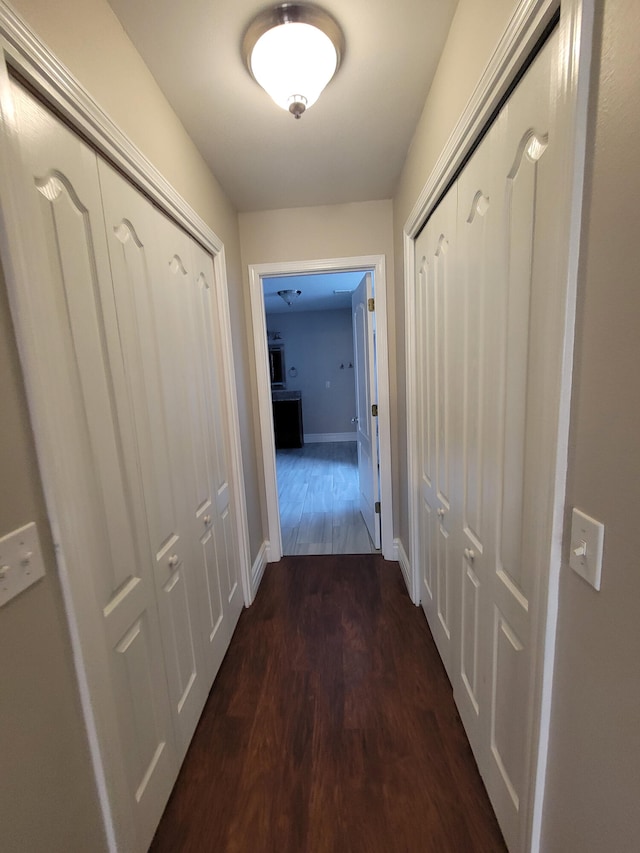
<point x="318" y="479"/>
<point x="331" y="728"/>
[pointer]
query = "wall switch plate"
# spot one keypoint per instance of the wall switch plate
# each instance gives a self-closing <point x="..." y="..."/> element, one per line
<point x="587" y="540"/>
<point x="21" y="562"/>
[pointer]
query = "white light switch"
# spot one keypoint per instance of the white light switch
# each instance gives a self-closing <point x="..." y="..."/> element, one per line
<point x="21" y="561"/>
<point x="587" y="540"/>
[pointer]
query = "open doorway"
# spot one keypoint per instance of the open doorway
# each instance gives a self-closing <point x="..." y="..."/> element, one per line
<point x="318" y="391"/>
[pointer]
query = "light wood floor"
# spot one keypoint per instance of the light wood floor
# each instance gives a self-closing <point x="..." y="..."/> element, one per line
<point x="318" y="494"/>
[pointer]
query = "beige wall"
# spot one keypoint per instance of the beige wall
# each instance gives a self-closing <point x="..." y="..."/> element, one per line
<point x="593" y="788"/>
<point x="47" y="797"/>
<point x="312" y="233"/>
<point x="473" y="36"/>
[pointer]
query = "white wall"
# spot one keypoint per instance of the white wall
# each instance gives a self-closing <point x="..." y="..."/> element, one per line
<point x="317" y="343"/>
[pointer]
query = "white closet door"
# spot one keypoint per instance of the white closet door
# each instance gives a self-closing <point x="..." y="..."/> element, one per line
<point x="490" y="355"/>
<point x="210" y="500"/>
<point x="105" y="559"/>
<point x="479" y="223"/>
<point x="521" y="425"/>
<point x="150" y="272"/>
<point x="214" y="513"/>
<point x="436" y="304"/>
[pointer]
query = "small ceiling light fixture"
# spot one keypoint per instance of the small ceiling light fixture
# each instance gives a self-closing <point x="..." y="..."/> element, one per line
<point x="292" y="51"/>
<point x="289" y="296"/>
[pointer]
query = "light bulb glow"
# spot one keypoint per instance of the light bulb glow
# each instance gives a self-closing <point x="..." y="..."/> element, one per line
<point x="293" y="60"/>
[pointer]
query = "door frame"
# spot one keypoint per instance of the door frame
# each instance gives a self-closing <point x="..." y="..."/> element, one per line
<point x="528" y="23"/>
<point x="22" y="51"/>
<point x="366" y="263"/>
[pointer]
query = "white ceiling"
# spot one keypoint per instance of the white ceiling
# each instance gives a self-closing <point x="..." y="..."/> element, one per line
<point x="317" y="291"/>
<point x="348" y="147"/>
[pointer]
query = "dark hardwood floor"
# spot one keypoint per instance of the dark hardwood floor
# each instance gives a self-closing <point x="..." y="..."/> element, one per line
<point x="331" y="728"/>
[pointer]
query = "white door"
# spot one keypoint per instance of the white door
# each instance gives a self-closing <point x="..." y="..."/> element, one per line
<point x="521" y="425"/>
<point x="493" y="415"/>
<point x="436" y="306"/>
<point x="149" y="272"/>
<point x="111" y="578"/>
<point x="479" y="219"/>
<point x="366" y="397"/>
<point x="211" y="504"/>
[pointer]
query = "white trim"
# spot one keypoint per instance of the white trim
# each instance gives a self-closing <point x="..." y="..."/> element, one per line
<point x="576" y="33"/>
<point x="328" y="437"/>
<point x="405" y="565"/>
<point x="258" y="567"/>
<point x="21" y="50"/>
<point x="523" y="31"/>
<point x="376" y="263"/>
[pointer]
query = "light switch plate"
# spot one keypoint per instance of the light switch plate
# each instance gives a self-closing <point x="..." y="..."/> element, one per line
<point x="21" y="561"/>
<point x="587" y="541"/>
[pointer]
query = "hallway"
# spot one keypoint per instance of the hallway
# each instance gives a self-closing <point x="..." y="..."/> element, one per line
<point x="330" y="728"/>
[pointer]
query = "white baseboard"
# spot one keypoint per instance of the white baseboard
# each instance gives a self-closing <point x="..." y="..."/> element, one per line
<point x="257" y="569"/>
<point x="405" y="565"/>
<point x="319" y="437"/>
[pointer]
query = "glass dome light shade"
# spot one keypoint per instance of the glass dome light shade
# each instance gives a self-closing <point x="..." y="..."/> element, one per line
<point x="292" y="51"/>
<point x="293" y="60"/>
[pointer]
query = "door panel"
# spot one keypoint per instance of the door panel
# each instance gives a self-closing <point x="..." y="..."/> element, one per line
<point x="436" y="306"/>
<point x="518" y="418"/>
<point x="111" y="578"/>
<point x="366" y="395"/>
<point x="214" y="518"/>
<point x="146" y="281"/>
<point x="487" y="429"/>
<point x="479" y="223"/>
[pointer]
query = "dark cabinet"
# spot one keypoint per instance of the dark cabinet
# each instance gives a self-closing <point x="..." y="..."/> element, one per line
<point x="287" y="419"/>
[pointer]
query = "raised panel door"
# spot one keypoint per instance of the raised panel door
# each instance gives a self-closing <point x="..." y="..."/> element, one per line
<point x="437" y="320"/>
<point x="148" y="275"/>
<point x="214" y="518"/>
<point x="520" y="430"/>
<point x="110" y="577"/>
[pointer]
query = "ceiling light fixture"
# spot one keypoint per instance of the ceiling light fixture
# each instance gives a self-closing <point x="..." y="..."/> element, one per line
<point x="292" y="51"/>
<point x="289" y="296"/>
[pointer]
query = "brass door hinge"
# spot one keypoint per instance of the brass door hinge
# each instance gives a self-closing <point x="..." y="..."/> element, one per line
<point x="374" y="410"/>
<point x="377" y="507"/>
<point x="371" y="304"/>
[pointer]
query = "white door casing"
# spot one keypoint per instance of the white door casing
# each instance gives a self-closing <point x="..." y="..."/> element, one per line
<point x="551" y="385"/>
<point x="375" y="263"/>
<point x="366" y="397"/>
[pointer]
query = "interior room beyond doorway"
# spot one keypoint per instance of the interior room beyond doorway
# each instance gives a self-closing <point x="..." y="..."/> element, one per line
<point x="310" y="337"/>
